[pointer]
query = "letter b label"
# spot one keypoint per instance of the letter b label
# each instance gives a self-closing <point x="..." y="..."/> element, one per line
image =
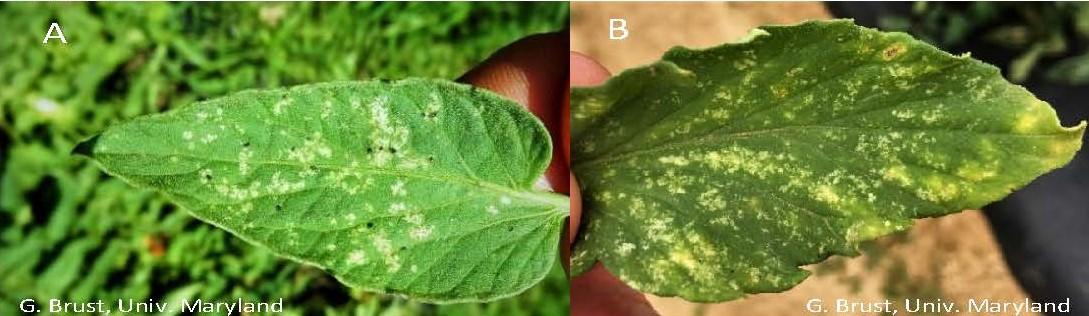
<point x="618" y="29"/>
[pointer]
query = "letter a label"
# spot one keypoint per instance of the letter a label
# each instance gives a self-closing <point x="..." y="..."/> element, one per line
<point x="59" y="34"/>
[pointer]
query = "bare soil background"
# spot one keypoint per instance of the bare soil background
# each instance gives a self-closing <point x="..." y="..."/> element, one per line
<point x="952" y="258"/>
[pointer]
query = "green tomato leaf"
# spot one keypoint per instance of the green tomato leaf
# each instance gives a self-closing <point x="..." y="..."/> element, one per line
<point x="417" y="187"/>
<point x="715" y="173"/>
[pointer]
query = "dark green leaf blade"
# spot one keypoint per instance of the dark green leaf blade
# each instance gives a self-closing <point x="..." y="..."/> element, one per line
<point x="417" y="187"/>
<point x="715" y="173"/>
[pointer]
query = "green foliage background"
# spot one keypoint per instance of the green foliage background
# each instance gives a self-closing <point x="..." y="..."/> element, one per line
<point x="1050" y="37"/>
<point x="67" y="231"/>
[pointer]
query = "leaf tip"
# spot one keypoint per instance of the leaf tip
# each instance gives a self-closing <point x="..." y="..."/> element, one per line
<point x="86" y="147"/>
<point x="1078" y="132"/>
<point x="1080" y="128"/>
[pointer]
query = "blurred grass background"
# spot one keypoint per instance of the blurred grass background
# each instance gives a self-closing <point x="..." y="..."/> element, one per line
<point x="69" y="232"/>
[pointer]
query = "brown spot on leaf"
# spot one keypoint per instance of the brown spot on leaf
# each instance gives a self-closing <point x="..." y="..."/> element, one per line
<point x="893" y="51"/>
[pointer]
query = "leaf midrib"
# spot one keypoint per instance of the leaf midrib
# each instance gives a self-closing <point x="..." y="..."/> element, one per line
<point x="559" y="203"/>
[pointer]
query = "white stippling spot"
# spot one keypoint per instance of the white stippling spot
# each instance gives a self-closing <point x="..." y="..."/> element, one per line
<point x="281" y="186"/>
<point x="711" y="200"/>
<point x="389" y="139"/>
<point x="676" y="160"/>
<point x="356" y="257"/>
<point x="385" y="247"/>
<point x="312" y="148"/>
<point x="244" y="161"/>
<point x="350" y="217"/>
<point x="431" y="113"/>
<point x="379" y="112"/>
<point x="397" y="207"/>
<point x="278" y="108"/>
<point x="398" y="188"/>
<point x="493" y="210"/>
<point x="505" y="200"/>
<point x="187" y="135"/>
<point x="383" y="244"/>
<point x="625" y="249"/>
<point x="420" y="232"/>
<point x="326" y="109"/>
<point x="209" y="138"/>
<point x="416" y="218"/>
<point x="205" y="175"/>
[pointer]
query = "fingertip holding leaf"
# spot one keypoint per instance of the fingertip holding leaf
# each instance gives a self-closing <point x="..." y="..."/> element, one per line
<point x="421" y="188"/>
<point x="719" y="172"/>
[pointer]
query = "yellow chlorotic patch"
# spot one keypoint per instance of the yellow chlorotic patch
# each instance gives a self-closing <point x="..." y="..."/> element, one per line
<point x="683" y="257"/>
<point x="870" y="228"/>
<point x="893" y="51"/>
<point x="937" y="189"/>
<point x="674" y="160"/>
<point x="779" y="91"/>
<point x="827" y="194"/>
<point x="1026" y="123"/>
<point x="754" y="173"/>
<point x="976" y="171"/>
<point x="898" y="174"/>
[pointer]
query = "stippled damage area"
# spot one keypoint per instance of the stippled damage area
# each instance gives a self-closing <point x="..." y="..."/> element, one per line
<point x="416" y="187"/>
<point x="715" y="173"/>
<point x="69" y="231"/>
